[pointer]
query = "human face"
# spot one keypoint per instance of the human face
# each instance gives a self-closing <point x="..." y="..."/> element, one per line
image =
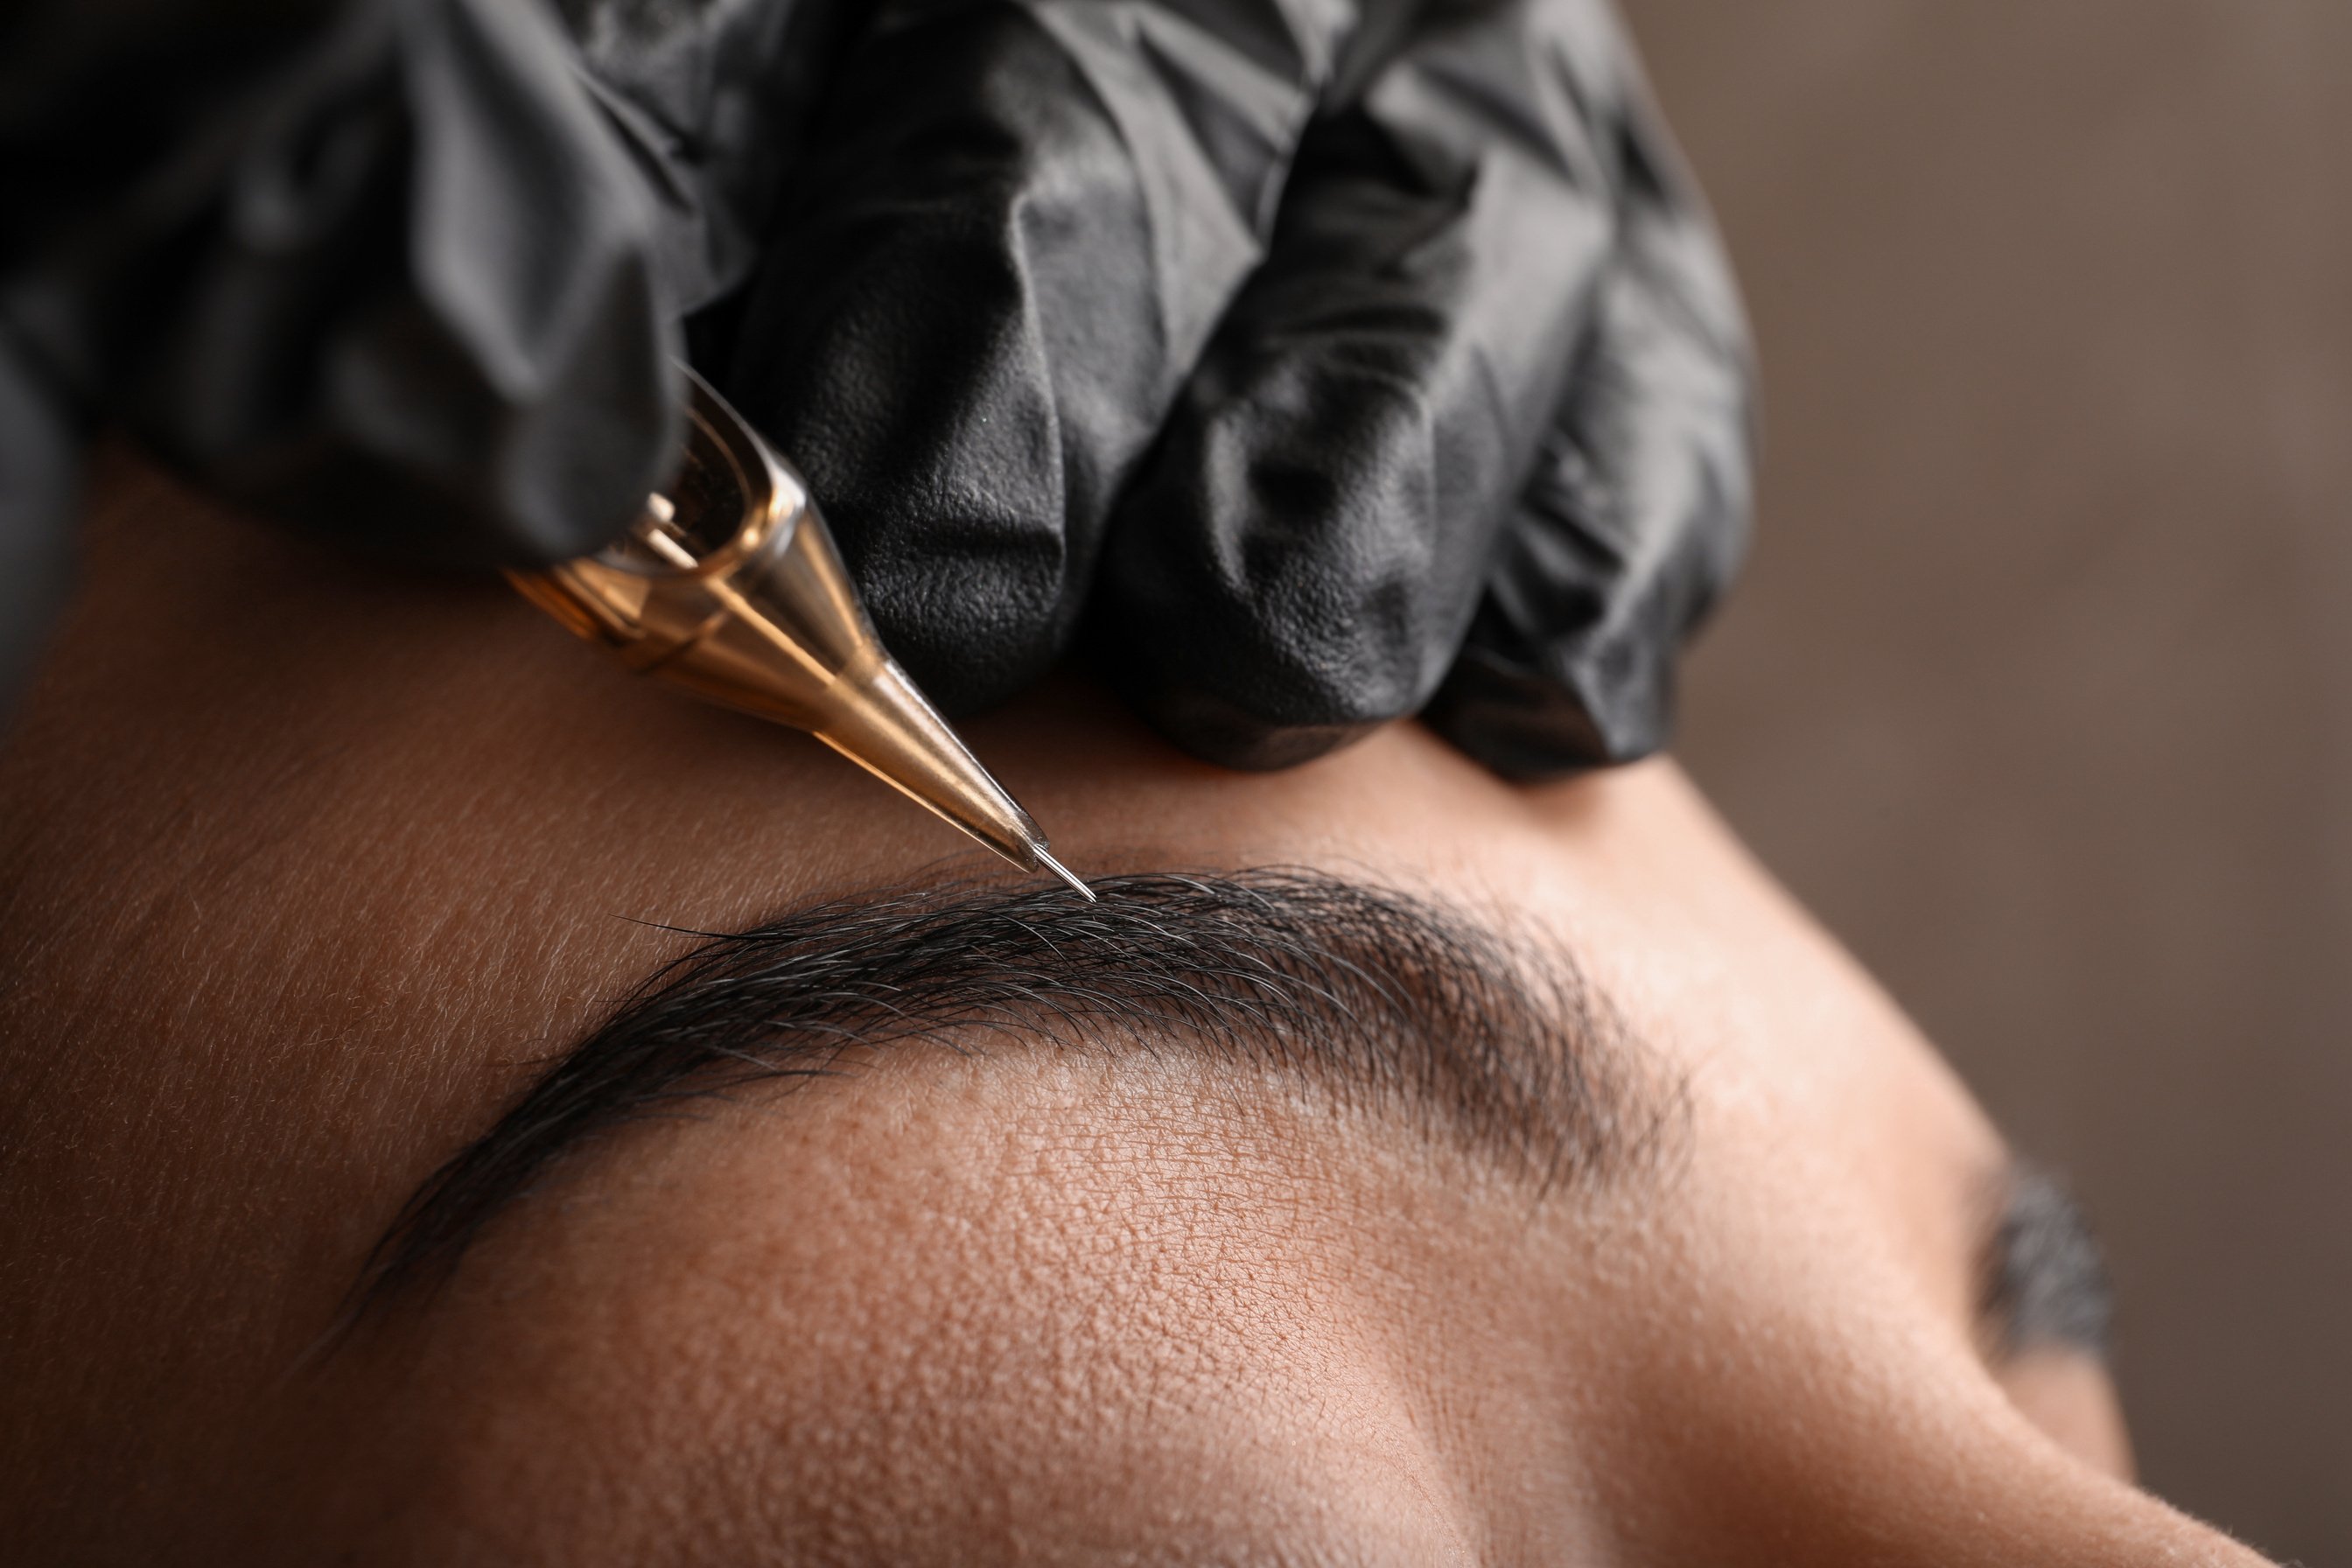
<point x="308" y="869"/>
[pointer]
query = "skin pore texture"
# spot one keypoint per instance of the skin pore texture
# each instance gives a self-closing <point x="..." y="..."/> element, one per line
<point x="309" y="869"/>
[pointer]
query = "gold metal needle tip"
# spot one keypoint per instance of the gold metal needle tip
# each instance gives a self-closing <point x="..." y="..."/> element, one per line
<point x="730" y="586"/>
<point x="1062" y="871"/>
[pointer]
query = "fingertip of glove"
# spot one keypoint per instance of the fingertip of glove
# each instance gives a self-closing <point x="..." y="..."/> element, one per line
<point x="975" y="609"/>
<point x="967" y="679"/>
<point x="1218" y="731"/>
<point x="1230" y="686"/>
<point x="1529" y="728"/>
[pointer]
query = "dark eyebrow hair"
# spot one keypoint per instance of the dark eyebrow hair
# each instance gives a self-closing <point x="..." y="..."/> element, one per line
<point x="2044" y="1281"/>
<point x="1379" y="996"/>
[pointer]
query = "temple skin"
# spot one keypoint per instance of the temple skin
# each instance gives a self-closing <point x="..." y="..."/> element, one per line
<point x="307" y="866"/>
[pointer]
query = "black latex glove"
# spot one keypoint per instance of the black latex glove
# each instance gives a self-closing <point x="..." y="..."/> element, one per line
<point x="379" y="268"/>
<point x="1323" y="363"/>
<point x="1240" y="339"/>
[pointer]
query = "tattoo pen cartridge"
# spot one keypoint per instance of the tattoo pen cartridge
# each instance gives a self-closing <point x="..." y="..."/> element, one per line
<point x="730" y="586"/>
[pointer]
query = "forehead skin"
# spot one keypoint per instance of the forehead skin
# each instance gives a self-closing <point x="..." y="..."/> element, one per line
<point x="302" y="865"/>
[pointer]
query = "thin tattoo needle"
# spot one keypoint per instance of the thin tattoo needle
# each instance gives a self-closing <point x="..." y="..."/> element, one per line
<point x="732" y="589"/>
<point x="658" y="538"/>
<point x="1062" y="871"/>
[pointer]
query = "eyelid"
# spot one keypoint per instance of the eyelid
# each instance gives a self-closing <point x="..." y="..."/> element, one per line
<point x="2043" y="1282"/>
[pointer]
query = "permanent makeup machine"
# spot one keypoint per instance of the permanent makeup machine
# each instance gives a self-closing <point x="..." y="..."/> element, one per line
<point x="728" y="585"/>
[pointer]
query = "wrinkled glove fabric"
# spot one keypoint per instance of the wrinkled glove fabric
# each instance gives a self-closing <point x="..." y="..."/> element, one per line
<point x="1310" y="365"/>
<point x="1314" y="366"/>
<point x="378" y="270"/>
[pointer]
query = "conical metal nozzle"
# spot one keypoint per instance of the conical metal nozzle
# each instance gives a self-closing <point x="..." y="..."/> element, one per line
<point x="730" y="586"/>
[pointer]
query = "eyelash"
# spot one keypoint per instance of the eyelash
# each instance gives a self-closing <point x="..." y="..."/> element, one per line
<point x="2045" y="1282"/>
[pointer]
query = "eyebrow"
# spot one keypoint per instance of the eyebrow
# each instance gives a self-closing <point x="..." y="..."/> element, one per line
<point x="2042" y="1281"/>
<point x="1381" y="997"/>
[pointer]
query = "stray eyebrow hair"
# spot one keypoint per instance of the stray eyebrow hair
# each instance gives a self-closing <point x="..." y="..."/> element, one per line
<point x="1383" y="998"/>
<point x="2043" y="1282"/>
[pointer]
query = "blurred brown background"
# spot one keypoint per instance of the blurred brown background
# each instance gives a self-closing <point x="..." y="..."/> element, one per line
<point x="2040" y="687"/>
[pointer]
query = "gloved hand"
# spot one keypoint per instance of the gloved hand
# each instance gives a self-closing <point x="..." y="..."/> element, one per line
<point x="377" y="266"/>
<point x="1318" y="366"/>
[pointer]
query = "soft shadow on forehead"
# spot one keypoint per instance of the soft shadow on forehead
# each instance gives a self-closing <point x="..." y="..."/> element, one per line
<point x="1387" y="1001"/>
